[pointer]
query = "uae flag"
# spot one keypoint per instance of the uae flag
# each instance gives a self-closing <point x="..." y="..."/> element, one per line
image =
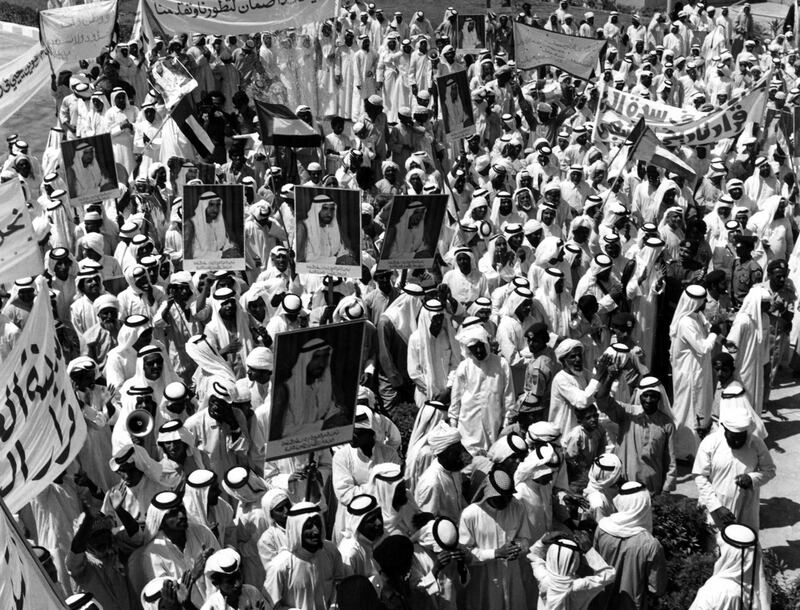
<point x="643" y="144"/>
<point x="194" y="132"/>
<point x="280" y="126"/>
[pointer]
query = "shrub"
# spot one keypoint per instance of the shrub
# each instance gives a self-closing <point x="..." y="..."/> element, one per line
<point x="785" y="590"/>
<point x="22" y="15"/>
<point x="680" y="526"/>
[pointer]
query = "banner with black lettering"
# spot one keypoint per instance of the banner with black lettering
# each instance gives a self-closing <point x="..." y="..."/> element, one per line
<point x="72" y="33"/>
<point x="22" y="77"/>
<point x="24" y="585"/>
<point x="534" y="47"/>
<point x="41" y="424"/>
<point x="227" y="17"/>
<point x="619" y="112"/>
<point x="19" y="253"/>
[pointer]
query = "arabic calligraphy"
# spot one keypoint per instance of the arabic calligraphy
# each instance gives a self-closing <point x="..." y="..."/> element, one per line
<point x="212" y="10"/>
<point x="77" y="31"/>
<point x="308" y="442"/>
<point x="11" y="83"/>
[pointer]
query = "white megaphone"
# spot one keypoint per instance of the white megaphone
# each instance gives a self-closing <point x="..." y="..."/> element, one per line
<point x="139" y="423"/>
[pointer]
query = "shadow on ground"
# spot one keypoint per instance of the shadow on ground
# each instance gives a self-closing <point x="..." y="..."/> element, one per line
<point x="779" y="512"/>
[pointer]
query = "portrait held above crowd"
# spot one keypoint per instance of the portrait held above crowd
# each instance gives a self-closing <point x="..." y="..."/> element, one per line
<point x="341" y="307"/>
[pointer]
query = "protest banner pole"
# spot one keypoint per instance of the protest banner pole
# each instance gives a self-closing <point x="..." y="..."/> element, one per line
<point x="31" y="555"/>
<point x="309" y="472"/>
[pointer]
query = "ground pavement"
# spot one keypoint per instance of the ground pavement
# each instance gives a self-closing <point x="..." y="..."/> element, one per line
<point x="780" y="498"/>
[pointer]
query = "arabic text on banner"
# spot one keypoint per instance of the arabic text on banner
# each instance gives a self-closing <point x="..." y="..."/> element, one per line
<point x="79" y="32"/>
<point x="230" y="16"/>
<point x="41" y="425"/>
<point x="23" y="585"/>
<point x="620" y="111"/>
<point x="19" y="253"/>
<point x="22" y="77"/>
<point x="534" y="47"/>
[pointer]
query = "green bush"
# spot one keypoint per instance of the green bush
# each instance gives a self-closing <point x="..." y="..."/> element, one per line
<point x="680" y="526"/>
<point x="785" y="590"/>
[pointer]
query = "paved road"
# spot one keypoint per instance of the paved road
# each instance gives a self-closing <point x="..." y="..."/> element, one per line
<point x="780" y="510"/>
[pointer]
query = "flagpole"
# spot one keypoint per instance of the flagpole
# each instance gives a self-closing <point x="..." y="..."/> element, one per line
<point x="13" y="523"/>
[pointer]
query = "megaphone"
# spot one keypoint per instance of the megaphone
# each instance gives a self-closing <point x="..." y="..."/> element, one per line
<point x="139" y="423"/>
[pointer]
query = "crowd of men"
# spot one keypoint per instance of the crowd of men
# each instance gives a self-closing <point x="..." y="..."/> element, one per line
<point x="579" y="337"/>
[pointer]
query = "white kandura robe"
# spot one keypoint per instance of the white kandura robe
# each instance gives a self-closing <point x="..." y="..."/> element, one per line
<point x="567" y="391"/>
<point x="496" y="584"/>
<point x="439" y="491"/>
<point x="304" y="580"/>
<point x="751" y="356"/>
<point x="122" y="139"/>
<point x="482" y="393"/>
<point x="692" y="382"/>
<point x="350" y="468"/>
<point x="345" y="69"/>
<point x="716" y="468"/>
<point x="161" y="557"/>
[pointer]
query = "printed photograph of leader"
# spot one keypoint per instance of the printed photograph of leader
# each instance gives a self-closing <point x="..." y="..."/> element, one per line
<point x="328" y="235"/>
<point x="412" y="231"/>
<point x="454" y="97"/>
<point x="472" y="32"/>
<point x="90" y="169"/>
<point x="213" y="227"/>
<point x="315" y="388"/>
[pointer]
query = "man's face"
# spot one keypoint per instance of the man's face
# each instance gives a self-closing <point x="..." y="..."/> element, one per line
<point x="229" y="585"/>
<point x="372" y="526"/>
<point x="175" y="450"/>
<point x="281" y="261"/>
<point x="613" y="249"/>
<point x="479" y="350"/>
<point x="735" y="440"/>
<point x="326" y="214"/>
<point x="257" y="309"/>
<point x="316" y="367"/>
<point x="213" y="209"/>
<point x="674" y="220"/>
<point x="464" y="263"/>
<point x="417" y="217"/>
<point x="548" y="216"/>
<point x="120" y="101"/>
<point x="777" y="279"/>
<point x="261" y="376"/>
<point x="87" y="156"/>
<point x="91" y="286"/>
<point x="108" y="317"/>
<point x="175" y="520"/>
<point x="153" y="366"/>
<point x="61" y="268"/>
<point x="724" y="372"/>
<point x="575" y="177"/>
<point x="227" y="310"/>
<point x="423" y="46"/>
<point x="311" y="538"/>
<point x="455" y="457"/>
<point x="574" y="359"/>
<point x="590" y="420"/>
<point x="142" y="282"/>
<point x="649" y="401"/>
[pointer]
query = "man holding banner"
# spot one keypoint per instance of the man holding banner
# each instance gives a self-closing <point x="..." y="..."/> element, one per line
<point x="640" y="176"/>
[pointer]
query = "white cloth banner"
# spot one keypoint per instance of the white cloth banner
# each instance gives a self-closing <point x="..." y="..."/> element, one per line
<point x="226" y="17"/>
<point x="22" y="77"/>
<point x="619" y="112"/>
<point x="23" y="585"/>
<point x="41" y="424"/>
<point x="19" y="253"/>
<point x="78" y="32"/>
